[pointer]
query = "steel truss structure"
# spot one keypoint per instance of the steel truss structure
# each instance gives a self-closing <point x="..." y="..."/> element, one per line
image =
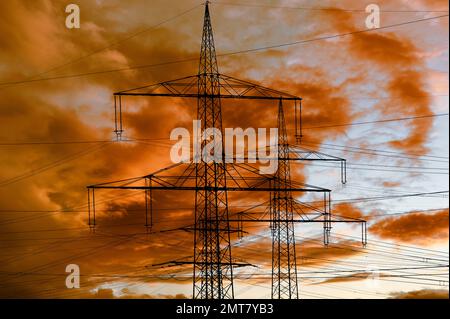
<point x="213" y="262"/>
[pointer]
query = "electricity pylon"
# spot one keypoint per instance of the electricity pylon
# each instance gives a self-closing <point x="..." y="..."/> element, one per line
<point x="213" y="263"/>
<point x="284" y="260"/>
<point x="213" y="272"/>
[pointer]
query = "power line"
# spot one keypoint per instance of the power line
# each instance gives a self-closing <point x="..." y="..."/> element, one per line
<point x="247" y="275"/>
<point x="384" y="190"/>
<point x="46" y="167"/>
<point x="56" y="142"/>
<point x="393" y="97"/>
<point x="347" y="149"/>
<point x="412" y="212"/>
<point x="381" y="198"/>
<point x="334" y="36"/>
<point x="224" y="54"/>
<point x="403" y="246"/>
<point x="21" y="143"/>
<point x="385" y="253"/>
<point x="321" y="8"/>
<point x="374" y="251"/>
<point x="49" y="213"/>
<point x="25" y="143"/>
<point x="114" y="44"/>
<point x="45" y="266"/>
<point x="408" y="170"/>
<point x="399" y="166"/>
<point x="348" y="200"/>
<point x="79" y="255"/>
<point x="379" y="151"/>
<point x="345" y="270"/>
<point x="378" y="121"/>
<point x="70" y="76"/>
<point x="168" y="276"/>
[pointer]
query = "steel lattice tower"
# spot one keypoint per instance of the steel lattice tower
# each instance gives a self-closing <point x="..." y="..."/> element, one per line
<point x="284" y="264"/>
<point x="212" y="261"/>
<point x="212" y="251"/>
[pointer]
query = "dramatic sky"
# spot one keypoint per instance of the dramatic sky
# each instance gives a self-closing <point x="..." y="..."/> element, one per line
<point x="56" y="123"/>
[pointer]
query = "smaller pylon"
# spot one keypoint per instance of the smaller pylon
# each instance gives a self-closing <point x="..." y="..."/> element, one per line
<point x="284" y="261"/>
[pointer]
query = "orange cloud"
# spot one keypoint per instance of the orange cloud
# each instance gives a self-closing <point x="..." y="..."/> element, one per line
<point x="391" y="184"/>
<point x="422" y="294"/>
<point x="106" y="293"/>
<point x="348" y="278"/>
<point x="414" y="227"/>
<point x="348" y="210"/>
<point x="398" y="59"/>
<point x="43" y="219"/>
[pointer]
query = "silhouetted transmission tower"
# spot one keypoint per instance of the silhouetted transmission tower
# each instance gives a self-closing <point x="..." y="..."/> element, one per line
<point x="284" y="259"/>
<point x="212" y="181"/>
<point x="213" y="271"/>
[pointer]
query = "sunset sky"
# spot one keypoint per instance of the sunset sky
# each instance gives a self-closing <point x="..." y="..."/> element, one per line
<point x="56" y="138"/>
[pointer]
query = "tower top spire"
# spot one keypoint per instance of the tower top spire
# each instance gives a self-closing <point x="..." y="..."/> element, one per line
<point x="208" y="59"/>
